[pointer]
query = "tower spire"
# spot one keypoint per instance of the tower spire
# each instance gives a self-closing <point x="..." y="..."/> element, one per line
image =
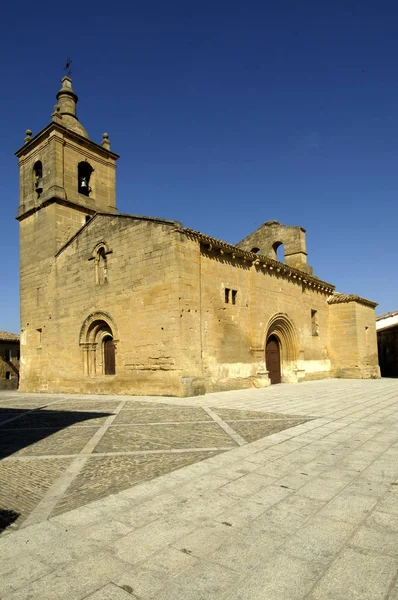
<point x="65" y="111"/>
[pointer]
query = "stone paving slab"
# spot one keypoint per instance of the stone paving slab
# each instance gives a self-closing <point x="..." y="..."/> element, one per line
<point x="309" y="513"/>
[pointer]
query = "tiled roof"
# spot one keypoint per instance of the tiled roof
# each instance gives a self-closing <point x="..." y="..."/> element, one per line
<point x="8" y="337"/>
<point x="260" y="259"/>
<point x="337" y="298"/>
<point x="390" y="314"/>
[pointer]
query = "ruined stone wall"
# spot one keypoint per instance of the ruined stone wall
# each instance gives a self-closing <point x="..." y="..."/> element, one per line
<point x="272" y="234"/>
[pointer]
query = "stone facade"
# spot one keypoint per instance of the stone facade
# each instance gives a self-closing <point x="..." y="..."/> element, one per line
<point x="9" y="360"/>
<point x="119" y="303"/>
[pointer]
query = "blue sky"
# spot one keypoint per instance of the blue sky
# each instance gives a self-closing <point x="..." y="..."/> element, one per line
<point x="226" y="115"/>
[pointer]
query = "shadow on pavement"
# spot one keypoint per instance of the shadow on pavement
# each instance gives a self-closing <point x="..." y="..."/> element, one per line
<point x="19" y="429"/>
<point x="7" y="518"/>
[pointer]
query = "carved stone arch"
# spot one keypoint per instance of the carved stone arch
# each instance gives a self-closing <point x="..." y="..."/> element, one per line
<point x="102" y="245"/>
<point x="91" y="320"/>
<point x="97" y="331"/>
<point x="281" y="327"/>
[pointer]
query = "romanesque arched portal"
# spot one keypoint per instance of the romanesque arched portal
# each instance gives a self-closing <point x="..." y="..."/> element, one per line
<point x="281" y="349"/>
<point x="98" y="336"/>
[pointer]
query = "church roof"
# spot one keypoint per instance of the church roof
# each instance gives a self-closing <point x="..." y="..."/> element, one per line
<point x="387" y="315"/>
<point x="261" y="261"/>
<point x="387" y="321"/>
<point x="338" y="298"/>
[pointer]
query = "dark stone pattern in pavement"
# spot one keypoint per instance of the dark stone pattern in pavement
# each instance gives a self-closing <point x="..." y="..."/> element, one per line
<point x="103" y="406"/>
<point x="24" y="483"/>
<point x="102" y="476"/>
<point x="47" y="427"/>
<point x="159" y="415"/>
<point x="254" y="430"/>
<point x="164" y="437"/>
<point x="44" y="441"/>
<point x="228" y="414"/>
<point x="56" y="420"/>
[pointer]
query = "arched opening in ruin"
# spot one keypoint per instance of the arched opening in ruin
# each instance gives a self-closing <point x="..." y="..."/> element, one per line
<point x="279" y="251"/>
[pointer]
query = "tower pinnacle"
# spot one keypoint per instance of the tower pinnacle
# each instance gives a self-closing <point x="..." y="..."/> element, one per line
<point x="65" y="110"/>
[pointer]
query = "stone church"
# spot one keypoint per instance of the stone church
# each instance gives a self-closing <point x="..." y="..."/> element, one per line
<point x="120" y="303"/>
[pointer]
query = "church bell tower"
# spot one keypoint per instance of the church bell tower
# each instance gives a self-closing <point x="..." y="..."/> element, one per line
<point x="65" y="178"/>
<point x="64" y="173"/>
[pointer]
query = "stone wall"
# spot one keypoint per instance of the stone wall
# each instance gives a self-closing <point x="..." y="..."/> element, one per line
<point x="139" y="300"/>
<point x="185" y="319"/>
<point x="271" y="235"/>
<point x="234" y="332"/>
<point x="9" y="365"/>
<point x="352" y="340"/>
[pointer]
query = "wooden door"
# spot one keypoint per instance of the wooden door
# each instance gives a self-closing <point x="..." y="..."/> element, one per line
<point x="109" y="357"/>
<point x="273" y="359"/>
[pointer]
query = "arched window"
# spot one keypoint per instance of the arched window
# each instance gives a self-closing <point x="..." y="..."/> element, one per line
<point x="101" y="266"/>
<point x="256" y="250"/>
<point x="278" y="248"/>
<point x="38" y="177"/>
<point x="84" y="172"/>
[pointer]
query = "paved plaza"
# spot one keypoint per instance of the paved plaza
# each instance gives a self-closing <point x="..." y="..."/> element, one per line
<point x="288" y="492"/>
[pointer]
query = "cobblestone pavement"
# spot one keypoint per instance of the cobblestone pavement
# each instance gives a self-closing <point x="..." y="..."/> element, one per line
<point x="307" y="512"/>
<point x="58" y="453"/>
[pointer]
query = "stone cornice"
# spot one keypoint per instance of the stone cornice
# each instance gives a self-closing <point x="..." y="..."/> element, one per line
<point x="64" y="202"/>
<point x="68" y="133"/>
<point x="260" y="261"/>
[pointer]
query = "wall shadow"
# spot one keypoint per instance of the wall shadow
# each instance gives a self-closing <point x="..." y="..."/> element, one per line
<point x="7" y="518"/>
<point x="18" y="430"/>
